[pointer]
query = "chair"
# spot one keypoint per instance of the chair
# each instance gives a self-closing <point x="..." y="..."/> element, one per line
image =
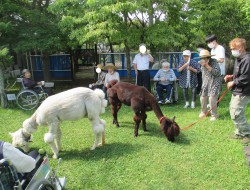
<point x="174" y="92"/>
<point x="29" y="99"/>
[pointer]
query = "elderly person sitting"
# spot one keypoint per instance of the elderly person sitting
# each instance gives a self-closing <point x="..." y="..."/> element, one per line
<point x="165" y="77"/>
<point x="33" y="85"/>
<point x="100" y="79"/>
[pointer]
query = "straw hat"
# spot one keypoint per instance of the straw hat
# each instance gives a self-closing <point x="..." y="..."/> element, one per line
<point x="204" y="53"/>
<point x="99" y="66"/>
<point x="109" y="65"/>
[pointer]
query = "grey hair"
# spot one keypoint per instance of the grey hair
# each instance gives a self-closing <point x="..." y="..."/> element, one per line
<point x="165" y="64"/>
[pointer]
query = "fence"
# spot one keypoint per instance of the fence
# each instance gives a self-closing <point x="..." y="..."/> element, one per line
<point x="60" y="67"/>
<point x="119" y="59"/>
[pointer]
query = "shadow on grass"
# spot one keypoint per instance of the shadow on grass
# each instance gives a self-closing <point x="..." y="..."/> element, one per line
<point x="113" y="150"/>
<point x="155" y="131"/>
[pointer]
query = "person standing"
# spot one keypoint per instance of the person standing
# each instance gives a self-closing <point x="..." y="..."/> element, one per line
<point x="188" y="78"/>
<point x="239" y="81"/>
<point x="199" y="74"/>
<point x="219" y="53"/>
<point x="211" y="84"/>
<point x="141" y="67"/>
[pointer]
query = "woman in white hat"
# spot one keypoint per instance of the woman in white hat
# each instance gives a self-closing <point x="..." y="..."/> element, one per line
<point x="211" y="83"/>
<point x="111" y="75"/>
<point x="188" y="78"/>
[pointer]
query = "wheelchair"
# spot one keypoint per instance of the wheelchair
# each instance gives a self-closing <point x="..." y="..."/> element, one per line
<point x="174" y="92"/>
<point x="43" y="177"/>
<point x="29" y="99"/>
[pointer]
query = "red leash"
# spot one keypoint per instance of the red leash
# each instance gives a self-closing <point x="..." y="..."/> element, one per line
<point x="187" y="127"/>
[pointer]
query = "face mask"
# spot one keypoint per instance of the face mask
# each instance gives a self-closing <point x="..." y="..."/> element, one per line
<point x="236" y="53"/>
<point x="165" y="70"/>
<point x="211" y="45"/>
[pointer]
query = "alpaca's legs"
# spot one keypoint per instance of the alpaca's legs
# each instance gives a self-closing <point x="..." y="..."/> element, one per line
<point x="115" y="106"/>
<point x="58" y="138"/>
<point x="97" y="136"/>
<point x="52" y="139"/>
<point x="137" y="124"/>
<point x="99" y="131"/>
<point x="144" y="117"/>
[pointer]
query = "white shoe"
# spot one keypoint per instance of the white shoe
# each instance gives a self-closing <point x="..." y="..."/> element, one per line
<point x="160" y="102"/>
<point x="167" y="101"/>
<point x="187" y="105"/>
<point x="213" y="118"/>
<point x="201" y="115"/>
<point x="192" y="105"/>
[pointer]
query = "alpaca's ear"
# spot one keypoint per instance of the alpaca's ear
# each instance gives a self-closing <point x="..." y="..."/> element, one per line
<point x="173" y="118"/>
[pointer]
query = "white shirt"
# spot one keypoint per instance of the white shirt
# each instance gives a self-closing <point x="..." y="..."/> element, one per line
<point x="219" y="53"/>
<point x="109" y="77"/>
<point x="22" y="162"/>
<point x="142" y="61"/>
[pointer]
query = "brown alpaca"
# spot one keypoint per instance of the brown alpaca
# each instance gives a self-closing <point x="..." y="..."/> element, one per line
<point x="141" y="101"/>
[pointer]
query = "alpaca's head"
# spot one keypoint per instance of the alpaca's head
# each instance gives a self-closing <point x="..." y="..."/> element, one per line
<point x="21" y="140"/>
<point x="170" y="128"/>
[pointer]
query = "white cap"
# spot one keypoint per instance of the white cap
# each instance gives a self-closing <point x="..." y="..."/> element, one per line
<point x="187" y="52"/>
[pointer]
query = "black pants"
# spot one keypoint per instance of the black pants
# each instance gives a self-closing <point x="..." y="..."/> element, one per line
<point x="199" y="78"/>
<point x="143" y="79"/>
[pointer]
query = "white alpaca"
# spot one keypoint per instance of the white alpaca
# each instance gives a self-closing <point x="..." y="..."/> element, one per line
<point x="72" y="104"/>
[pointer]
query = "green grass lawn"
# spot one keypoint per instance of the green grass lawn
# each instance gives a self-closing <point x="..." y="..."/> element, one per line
<point x="202" y="157"/>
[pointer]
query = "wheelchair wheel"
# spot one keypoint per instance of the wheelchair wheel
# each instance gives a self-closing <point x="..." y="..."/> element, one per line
<point x="27" y="99"/>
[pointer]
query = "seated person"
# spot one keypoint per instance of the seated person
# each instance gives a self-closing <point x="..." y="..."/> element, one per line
<point x="111" y="75"/>
<point x="165" y="77"/>
<point x="33" y="85"/>
<point x="101" y="77"/>
<point x="22" y="162"/>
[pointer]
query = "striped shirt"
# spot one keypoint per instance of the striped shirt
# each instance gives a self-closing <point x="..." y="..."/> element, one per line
<point x="169" y="75"/>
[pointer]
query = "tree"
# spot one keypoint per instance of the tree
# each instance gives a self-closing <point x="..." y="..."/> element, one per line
<point x="5" y="59"/>
<point x="31" y="29"/>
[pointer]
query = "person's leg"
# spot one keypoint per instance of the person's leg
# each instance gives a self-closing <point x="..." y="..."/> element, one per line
<point x="237" y="111"/>
<point x="139" y="79"/>
<point x="199" y="78"/>
<point x="146" y="80"/>
<point x="169" y="89"/>
<point x="159" y="89"/>
<point x="185" y="94"/>
<point x="213" y="106"/>
<point x="104" y="88"/>
<point x="203" y="100"/>
<point x="193" y="97"/>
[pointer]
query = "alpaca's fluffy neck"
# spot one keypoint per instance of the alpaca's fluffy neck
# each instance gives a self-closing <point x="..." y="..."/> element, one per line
<point x="31" y="125"/>
<point x="156" y="108"/>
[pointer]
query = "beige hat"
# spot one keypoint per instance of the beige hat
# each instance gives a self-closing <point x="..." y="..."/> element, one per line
<point x="99" y="66"/>
<point x="109" y="65"/>
<point x="204" y="53"/>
